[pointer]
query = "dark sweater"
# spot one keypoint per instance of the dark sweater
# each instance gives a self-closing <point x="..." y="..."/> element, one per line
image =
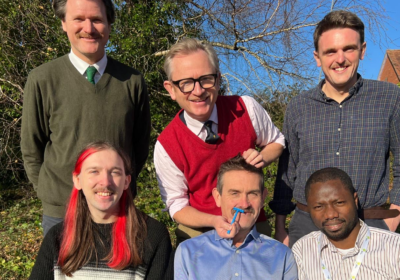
<point x="63" y="112"/>
<point x="157" y="260"/>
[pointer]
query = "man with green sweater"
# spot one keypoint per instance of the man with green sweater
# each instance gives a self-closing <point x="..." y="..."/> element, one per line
<point x="79" y="98"/>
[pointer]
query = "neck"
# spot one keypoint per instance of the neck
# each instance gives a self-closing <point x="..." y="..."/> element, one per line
<point x="239" y="238"/>
<point x="349" y="241"/>
<point x="92" y="59"/>
<point x="336" y="94"/>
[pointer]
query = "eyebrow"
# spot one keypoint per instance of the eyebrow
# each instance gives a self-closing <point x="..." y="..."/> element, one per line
<point x="353" y="46"/>
<point x="97" y="167"/>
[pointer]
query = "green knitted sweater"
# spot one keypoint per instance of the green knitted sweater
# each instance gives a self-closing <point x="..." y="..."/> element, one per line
<point x="63" y="112"/>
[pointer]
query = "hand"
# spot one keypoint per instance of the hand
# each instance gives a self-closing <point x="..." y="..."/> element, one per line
<point x="253" y="157"/>
<point x="282" y="236"/>
<point x="393" y="223"/>
<point x="222" y="226"/>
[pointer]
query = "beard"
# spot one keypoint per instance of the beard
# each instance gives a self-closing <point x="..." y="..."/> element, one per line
<point x="344" y="232"/>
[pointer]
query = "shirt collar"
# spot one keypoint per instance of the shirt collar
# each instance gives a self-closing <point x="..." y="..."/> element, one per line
<point x="353" y="90"/>
<point x="195" y="125"/>
<point x="252" y="235"/>
<point x="81" y="65"/>
<point x="325" y="243"/>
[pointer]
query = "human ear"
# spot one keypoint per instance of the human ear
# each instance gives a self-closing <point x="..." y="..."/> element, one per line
<point x="76" y="180"/>
<point x="170" y="88"/>
<point x="317" y="59"/>
<point x="217" y="197"/>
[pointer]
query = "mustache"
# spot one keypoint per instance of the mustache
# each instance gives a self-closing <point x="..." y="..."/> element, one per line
<point x="89" y="36"/>
<point x="333" y="221"/>
<point x="344" y="64"/>
<point x="246" y="210"/>
<point x="104" y="189"/>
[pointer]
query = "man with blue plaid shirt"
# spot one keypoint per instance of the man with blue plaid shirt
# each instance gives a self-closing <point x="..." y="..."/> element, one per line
<point x="346" y="122"/>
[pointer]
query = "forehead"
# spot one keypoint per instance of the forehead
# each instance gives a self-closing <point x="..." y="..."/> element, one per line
<point x="339" y="37"/>
<point x="328" y="191"/>
<point x="84" y="6"/>
<point x="104" y="159"/>
<point x="240" y="180"/>
<point x="191" y="65"/>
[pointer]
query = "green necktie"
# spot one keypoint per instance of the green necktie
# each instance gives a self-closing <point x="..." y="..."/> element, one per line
<point x="90" y="72"/>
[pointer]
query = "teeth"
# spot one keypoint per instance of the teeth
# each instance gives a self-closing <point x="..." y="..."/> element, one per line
<point x="104" y="193"/>
<point x="340" y="69"/>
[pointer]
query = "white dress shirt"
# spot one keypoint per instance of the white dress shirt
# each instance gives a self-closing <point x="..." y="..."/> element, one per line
<point x="171" y="180"/>
<point x="81" y="65"/>
<point x="381" y="261"/>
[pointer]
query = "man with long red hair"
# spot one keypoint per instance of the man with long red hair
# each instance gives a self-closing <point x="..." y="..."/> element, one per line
<point x="103" y="235"/>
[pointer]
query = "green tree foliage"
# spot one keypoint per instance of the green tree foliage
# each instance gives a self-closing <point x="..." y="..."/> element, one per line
<point x="30" y="35"/>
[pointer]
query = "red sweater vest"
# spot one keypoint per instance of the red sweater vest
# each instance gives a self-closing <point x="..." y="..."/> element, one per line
<point x="199" y="161"/>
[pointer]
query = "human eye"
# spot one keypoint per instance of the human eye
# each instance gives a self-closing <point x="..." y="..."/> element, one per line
<point x="254" y="194"/>
<point x="93" y="171"/>
<point x="183" y="83"/>
<point x="116" y="172"/>
<point x="78" y="19"/>
<point x="97" y="20"/>
<point x="207" y="80"/>
<point x="317" y="207"/>
<point x="234" y="193"/>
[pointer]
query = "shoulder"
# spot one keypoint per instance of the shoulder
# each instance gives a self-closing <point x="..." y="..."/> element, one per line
<point x="385" y="236"/>
<point x="44" y="70"/>
<point x="275" y="246"/>
<point x="301" y="102"/>
<point x="379" y="87"/>
<point x="156" y="233"/>
<point x="306" y="241"/>
<point x="52" y="240"/>
<point x="196" y="243"/>
<point x="116" y="66"/>
<point x="154" y="225"/>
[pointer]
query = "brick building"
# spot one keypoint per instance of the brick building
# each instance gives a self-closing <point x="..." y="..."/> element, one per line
<point x="390" y="69"/>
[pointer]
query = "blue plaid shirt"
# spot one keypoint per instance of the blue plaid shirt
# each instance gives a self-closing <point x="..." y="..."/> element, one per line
<point x="355" y="135"/>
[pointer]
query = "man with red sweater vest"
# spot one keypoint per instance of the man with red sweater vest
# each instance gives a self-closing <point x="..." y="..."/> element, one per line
<point x="208" y="130"/>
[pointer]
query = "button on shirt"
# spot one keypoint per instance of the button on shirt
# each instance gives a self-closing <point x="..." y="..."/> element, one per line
<point x="381" y="261"/>
<point x="209" y="256"/>
<point x="81" y="65"/>
<point x="355" y="136"/>
<point x="171" y="180"/>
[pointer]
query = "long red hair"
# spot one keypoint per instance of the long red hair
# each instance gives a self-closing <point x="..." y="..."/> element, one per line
<point x="77" y="243"/>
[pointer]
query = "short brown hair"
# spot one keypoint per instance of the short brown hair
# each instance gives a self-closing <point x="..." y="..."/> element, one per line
<point x="59" y="9"/>
<point x="339" y="19"/>
<point x="238" y="163"/>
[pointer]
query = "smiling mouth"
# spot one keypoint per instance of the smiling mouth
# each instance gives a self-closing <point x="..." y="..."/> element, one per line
<point x="341" y="68"/>
<point x="333" y="226"/>
<point x="199" y="100"/>
<point x="104" y="193"/>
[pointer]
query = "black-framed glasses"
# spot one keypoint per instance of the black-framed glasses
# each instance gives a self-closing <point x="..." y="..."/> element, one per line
<point x="187" y="85"/>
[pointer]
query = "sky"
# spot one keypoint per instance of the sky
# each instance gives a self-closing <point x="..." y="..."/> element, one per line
<point x="371" y="65"/>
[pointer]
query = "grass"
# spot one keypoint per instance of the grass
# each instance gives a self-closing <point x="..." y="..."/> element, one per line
<point x="20" y="232"/>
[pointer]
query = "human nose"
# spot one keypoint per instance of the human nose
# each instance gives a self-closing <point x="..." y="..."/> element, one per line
<point x="340" y="57"/>
<point x="198" y="89"/>
<point x="244" y="202"/>
<point x="331" y="212"/>
<point x="88" y="26"/>
<point x="105" y="179"/>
